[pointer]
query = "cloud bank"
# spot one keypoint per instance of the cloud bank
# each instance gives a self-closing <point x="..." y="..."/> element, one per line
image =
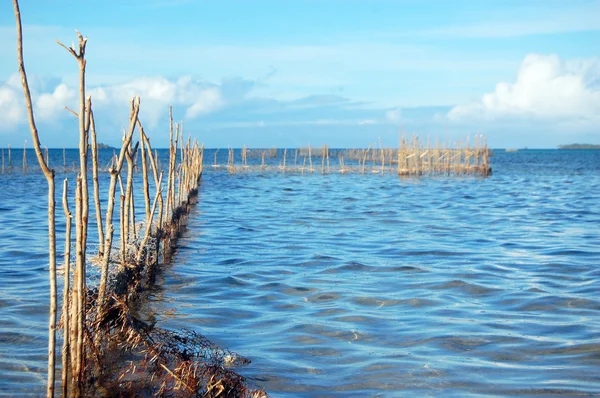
<point x="551" y="98"/>
<point x="547" y="88"/>
<point x="230" y="107"/>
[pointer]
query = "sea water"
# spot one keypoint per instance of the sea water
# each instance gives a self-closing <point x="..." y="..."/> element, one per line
<point x="357" y="285"/>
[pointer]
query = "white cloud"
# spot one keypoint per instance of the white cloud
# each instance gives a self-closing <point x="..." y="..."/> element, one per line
<point x="49" y="106"/>
<point x="367" y="122"/>
<point x="546" y="88"/>
<point x="197" y="98"/>
<point x="11" y="107"/>
<point x="205" y="102"/>
<point x="394" y="115"/>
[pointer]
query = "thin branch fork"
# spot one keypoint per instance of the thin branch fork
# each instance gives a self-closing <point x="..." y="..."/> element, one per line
<point x="79" y="55"/>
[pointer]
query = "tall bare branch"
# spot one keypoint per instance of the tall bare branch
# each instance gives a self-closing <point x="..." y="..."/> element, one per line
<point x="49" y="174"/>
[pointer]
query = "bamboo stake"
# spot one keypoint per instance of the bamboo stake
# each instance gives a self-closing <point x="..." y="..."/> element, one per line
<point x="145" y="185"/>
<point x="215" y="160"/>
<point x="77" y="367"/>
<point x="148" y="229"/>
<point x="49" y="174"/>
<point x="9" y="159"/>
<point x="158" y="164"/>
<point x="81" y="219"/>
<point x="170" y="178"/>
<point x="65" y="309"/>
<point x="25" y="157"/>
<point x="284" y="156"/>
<point x="382" y="156"/>
<point x="154" y="165"/>
<point x="114" y="172"/>
<point x="96" y="187"/>
<point x="122" y="223"/>
<point x="129" y="211"/>
<point x="131" y="205"/>
<point x="173" y="169"/>
<point x="181" y="141"/>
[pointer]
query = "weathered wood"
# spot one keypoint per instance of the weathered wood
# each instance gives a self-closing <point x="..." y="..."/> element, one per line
<point x="49" y="174"/>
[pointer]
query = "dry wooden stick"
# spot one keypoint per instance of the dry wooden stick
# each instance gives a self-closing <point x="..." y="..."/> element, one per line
<point x="49" y="174"/>
<point x="114" y="172"/>
<point x="25" y="157"/>
<point x="96" y="187"/>
<point x="81" y="219"/>
<point x="129" y="221"/>
<point x="78" y="283"/>
<point x="145" y="185"/>
<point x="169" y="178"/>
<point x="65" y="308"/>
<point x="154" y="165"/>
<point x="148" y="229"/>
<point x="284" y="157"/>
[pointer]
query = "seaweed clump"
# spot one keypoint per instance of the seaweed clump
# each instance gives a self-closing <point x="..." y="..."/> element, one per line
<point x="126" y="356"/>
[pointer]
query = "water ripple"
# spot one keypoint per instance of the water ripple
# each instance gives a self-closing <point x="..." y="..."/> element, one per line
<point x="350" y="285"/>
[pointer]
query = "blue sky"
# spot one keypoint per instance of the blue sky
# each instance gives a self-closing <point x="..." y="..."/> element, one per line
<point x="290" y="72"/>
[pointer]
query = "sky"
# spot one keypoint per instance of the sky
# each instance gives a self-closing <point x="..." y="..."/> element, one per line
<point x="288" y="73"/>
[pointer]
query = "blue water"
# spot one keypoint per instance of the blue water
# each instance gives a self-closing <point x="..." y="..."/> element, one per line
<point x="361" y="285"/>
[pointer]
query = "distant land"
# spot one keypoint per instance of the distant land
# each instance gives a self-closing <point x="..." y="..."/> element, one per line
<point x="579" y="146"/>
<point x="104" y="146"/>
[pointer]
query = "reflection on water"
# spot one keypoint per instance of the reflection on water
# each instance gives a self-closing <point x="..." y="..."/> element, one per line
<point x="362" y="285"/>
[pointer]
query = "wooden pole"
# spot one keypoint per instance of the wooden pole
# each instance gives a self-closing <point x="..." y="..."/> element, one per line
<point x="114" y="172"/>
<point x="82" y="205"/>
<point x="157" y="181"/>
<point x="154" y="166"/>
<point x="79" y="288"/>
<point x="49" y="174"/>
<point x="65" y="308"/>
<point x="148" y="229"/>
<point x="145" y="185"/>
<point x="284" y="156"/>
<point x="96" y="187"/>
<point x="25" y="157"/>
<point x="128" y="196"/>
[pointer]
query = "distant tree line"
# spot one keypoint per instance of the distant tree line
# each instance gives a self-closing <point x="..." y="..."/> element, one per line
<point x="579" y="146"/>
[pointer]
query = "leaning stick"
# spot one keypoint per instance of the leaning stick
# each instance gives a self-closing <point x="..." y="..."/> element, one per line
<point x="114" y="172"/>
<point x="148" y="230"/>
<point x="96" y="188"/>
